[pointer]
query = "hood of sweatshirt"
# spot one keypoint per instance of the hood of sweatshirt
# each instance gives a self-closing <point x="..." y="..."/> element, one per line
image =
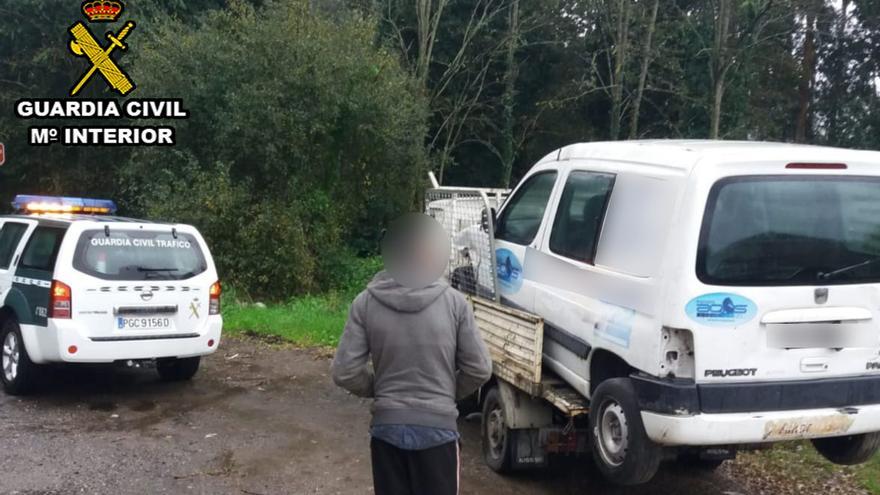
<point x="405" y="299"/>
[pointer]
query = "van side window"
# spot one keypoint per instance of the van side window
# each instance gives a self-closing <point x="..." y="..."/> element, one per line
<point x="42" y="248"/>
<point x="580" y="215"/>
<point x="521" y="219"/>
<point x="10" y="235"/>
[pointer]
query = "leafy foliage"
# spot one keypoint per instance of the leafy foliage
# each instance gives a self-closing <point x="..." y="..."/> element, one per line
<point x="313" y="122"/>
<point x="303" y="138"/>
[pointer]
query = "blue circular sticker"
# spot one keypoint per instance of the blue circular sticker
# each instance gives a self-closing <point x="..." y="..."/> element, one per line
<point x="721" y="309"/>
<point x="509" y="271"/>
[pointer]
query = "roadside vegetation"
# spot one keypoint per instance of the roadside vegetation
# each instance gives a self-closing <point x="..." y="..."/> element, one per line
<point x="797" y="469"/>
<point x="310" y="320"/>
<point x="313" y="122"/>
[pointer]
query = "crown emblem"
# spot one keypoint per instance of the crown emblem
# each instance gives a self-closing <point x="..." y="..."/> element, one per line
<point x="102" y="10"/>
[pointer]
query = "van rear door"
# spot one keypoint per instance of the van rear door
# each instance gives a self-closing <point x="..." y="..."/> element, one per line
<point x="790" y="272"/>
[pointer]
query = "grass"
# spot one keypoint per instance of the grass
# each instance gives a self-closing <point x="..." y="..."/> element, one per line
<point x="315" y="320"/>
<point x="306" y="320"/>
<point x="869" y="475"/>
<point x="800" y="465"/>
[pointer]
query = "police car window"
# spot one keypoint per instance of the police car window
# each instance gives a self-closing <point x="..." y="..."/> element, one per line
<point x="580" y="214"/>
<point x="139" y="255"/>
<point x="42" y="248"/>
<point x="10" y="235"/>
<point x="791" y="230"/>
<point x="521" y="218"/>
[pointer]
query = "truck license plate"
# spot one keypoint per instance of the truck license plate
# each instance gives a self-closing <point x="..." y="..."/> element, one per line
<point x="142" y="323"/>
<point x="791" y="429"/>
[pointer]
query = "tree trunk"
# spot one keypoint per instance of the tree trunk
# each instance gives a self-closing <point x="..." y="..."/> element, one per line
<point x="807" y="82"/>
<point x="620" y="59"/>
<point x="643" y="74"/>
<point x="716" y="108"/>
<point x="838" y="80"/>
<point x="508" y="98"/>
<point x="428" y="21"/>
<point x="719" y="64"/>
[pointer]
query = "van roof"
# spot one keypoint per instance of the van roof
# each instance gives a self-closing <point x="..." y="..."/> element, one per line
<point x="684" y="154"/>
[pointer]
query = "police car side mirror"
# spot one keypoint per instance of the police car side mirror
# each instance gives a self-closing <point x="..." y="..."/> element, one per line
<point x="488" y="215"/>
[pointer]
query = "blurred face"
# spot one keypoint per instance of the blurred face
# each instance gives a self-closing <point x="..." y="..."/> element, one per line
<point x="415" y="250"/>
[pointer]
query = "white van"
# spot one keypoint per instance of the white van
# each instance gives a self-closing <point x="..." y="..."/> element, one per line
<point x="701" y="295"/>
<point x="80" y="286"/>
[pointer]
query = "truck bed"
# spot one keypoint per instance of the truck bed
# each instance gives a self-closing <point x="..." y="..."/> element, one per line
<point x="515" y="340"/>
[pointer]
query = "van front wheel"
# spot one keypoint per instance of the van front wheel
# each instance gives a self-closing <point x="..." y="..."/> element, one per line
<point x="621" y="448"/>
<point x="848" y="450"/>
<point x="178" y="370"/>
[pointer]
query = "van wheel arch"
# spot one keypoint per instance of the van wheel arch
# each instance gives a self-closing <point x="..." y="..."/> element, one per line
<point x="605" y="365"/>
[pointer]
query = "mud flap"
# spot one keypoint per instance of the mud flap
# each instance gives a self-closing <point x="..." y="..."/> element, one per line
<point x="528" y="450"/>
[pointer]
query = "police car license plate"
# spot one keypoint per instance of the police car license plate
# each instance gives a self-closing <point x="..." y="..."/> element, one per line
<point x="143" y="323"/>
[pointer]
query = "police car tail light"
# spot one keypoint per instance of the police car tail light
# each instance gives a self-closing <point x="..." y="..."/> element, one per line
<point x="24" y="203"/>
<point x="60" y="301"/>
<point x="214" y="303"/>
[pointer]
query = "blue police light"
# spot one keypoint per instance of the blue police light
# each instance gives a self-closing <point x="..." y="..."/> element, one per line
<point x="55" y="204"/>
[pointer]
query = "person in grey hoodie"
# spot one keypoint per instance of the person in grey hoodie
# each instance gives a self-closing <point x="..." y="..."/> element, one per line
<point x="426" y="354"/>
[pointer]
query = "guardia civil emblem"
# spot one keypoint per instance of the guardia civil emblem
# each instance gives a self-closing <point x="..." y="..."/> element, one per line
<point x="99" y="56"/>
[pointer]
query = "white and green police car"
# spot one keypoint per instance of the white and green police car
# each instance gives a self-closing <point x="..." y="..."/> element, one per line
<point x="79" y="285"/>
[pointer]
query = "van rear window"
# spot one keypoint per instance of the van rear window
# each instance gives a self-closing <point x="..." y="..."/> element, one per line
<point x="791" y="230"/>
<point x="138" y="255"/>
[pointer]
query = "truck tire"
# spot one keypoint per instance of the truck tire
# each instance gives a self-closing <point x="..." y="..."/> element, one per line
<point x="622" y="451"/>
<point x="497" y="438"/>
<point x="848" y="450"/>
<point x="178" y="370"/>
<point x="17" y="372"/>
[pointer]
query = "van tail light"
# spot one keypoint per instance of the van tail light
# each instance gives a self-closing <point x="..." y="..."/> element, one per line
<point x="214" y="303"/>
<point x="60" y="300"/>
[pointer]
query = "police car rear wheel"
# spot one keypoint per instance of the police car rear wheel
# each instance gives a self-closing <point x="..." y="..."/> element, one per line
<point x="178" y="370"/>
<point x="17" y="372"/>
<point x="622" y="451"/>
<point x="848" y="450"/>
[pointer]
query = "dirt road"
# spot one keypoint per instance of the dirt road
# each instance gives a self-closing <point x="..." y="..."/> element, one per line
<point x="258" y="419"/>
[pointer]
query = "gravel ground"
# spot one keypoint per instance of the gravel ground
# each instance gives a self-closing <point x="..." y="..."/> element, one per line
<point x="258" y="419"/>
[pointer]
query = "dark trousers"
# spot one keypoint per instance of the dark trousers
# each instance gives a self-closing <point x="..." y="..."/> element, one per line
<point x="431" y="471"/>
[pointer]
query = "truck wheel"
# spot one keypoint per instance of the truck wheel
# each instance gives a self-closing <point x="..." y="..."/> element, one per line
<point x="497" y="438"/>
<point x="621" y="448"/>
<point x="848" y="450"/>
<point x="17" y="372"/>
<point x="178" y="370"/>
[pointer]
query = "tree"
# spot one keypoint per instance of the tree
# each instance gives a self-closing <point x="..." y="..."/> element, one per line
<point x="304" y="138"/>
<point x="647" y="55"/>
<point x="738" y="28"/>
<point x="453" y="76"/>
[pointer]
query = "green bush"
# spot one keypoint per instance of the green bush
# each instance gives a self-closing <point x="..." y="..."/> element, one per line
<point x="304" y="138"/>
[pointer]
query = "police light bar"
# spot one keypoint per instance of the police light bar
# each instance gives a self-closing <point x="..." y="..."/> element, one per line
<point x="55" y="204"/>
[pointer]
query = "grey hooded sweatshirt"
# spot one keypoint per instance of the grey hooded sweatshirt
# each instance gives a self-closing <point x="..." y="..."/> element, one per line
<point x="425" y="348"/>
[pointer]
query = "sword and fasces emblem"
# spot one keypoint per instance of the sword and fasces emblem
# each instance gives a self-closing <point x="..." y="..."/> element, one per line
<point x="85" y="45"/>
